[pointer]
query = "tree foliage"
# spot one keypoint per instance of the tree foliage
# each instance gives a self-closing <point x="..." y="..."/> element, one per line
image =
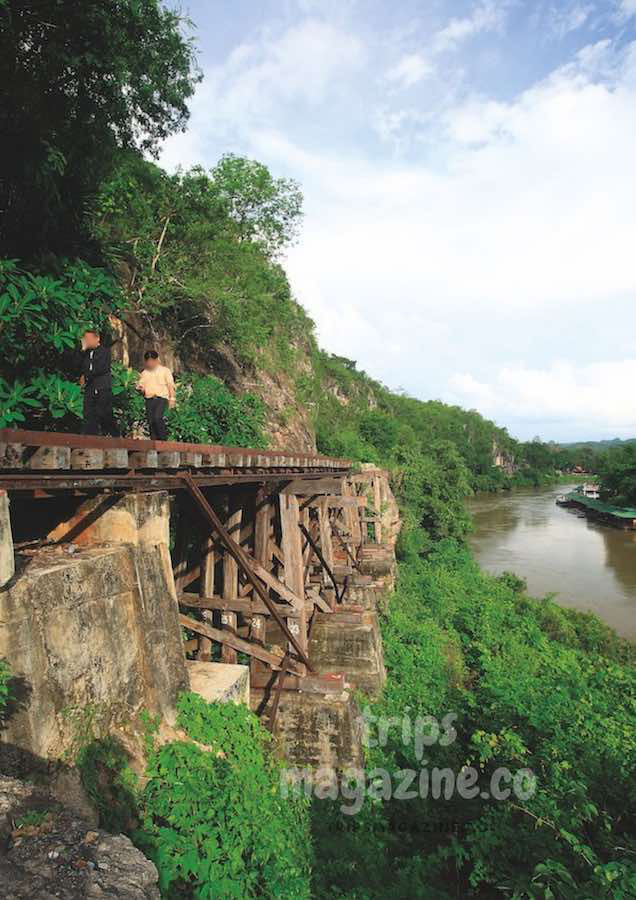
<point x="208" y="413"/>
<point x="617" y="471"/>
<point x="42" y="316"/>
<point x="198" y="252"/>
<point x="79" y="82"/>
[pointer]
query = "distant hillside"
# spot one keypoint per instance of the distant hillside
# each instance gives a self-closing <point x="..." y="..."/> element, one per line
<point x="598" y="446"/>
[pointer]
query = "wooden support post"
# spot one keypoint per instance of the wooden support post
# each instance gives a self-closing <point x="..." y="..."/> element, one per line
<point x="279" y="687"/>
<point x="206" y="589"/>
<point x="330" y="593"/>
<point x="229" y="622"/>
<point x="326" y="543"/>
<point x="230" y="571"/>
<point x="263" y="555"/>
<point x="351" y="516"/>
<point x="180" y="567"/>
<point x="262" y="525"/>
<point x="294" y="572"/>
<point x="257" y="630"/>
<point x="326" y="567"/>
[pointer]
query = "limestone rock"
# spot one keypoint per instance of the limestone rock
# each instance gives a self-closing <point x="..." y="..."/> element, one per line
<point x="46" y="851"/>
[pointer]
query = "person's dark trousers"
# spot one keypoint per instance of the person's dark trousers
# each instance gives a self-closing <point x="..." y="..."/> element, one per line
<point x="98" y="412"/>
<point x="155" y="411"/>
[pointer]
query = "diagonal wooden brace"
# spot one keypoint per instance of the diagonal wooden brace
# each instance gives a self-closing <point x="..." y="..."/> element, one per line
<point x="242" y="560"/>
<point x="323" y="561"/>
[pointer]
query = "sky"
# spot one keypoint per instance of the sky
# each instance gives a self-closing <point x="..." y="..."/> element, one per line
<point x="470" y="200"/>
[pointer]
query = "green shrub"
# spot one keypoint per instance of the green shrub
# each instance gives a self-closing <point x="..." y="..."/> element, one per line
<point x="207" y="412"/>
<point x="379" y="429"/>
<point x="110" y="783"/>
<point x="214" y="821"/>
<point x="128" y="403"/>
<point x="5" y="675"/>
<point x="42" y="317"/>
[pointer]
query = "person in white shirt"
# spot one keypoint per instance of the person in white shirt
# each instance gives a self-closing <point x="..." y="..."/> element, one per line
<point x="157" y="385"/>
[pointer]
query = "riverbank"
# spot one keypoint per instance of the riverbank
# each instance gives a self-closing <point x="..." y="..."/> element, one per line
<point x="617" y="516"/>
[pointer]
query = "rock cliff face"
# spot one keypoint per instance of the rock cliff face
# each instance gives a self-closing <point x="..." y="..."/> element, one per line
<point x="288" y="423"/>
<point x="48" y="850"/>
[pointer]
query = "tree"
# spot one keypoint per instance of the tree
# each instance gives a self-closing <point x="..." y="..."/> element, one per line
<point x="199" y="249"/>
<point x="617" y="471"/>
<point x="265" y="209"/>
<point x="379" y="429"/>
<point x="432" y="489"/>
<point x="538" y="455"/>
<point x="79" y="82"/>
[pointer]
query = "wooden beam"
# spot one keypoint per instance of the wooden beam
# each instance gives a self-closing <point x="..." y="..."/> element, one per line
<point x="337" y="502"/>
<point x="278" y="587"/>
<point x="226" y="637"/>
<point x="246" y="607"/>
<point x="316" y="486"/>
<point x="231" y="571"/>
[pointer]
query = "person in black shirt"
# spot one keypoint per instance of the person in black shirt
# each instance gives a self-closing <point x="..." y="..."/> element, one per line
<point x="97" y="381"/>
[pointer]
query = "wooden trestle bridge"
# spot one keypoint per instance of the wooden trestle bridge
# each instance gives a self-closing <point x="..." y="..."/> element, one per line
<point x="263" y="539"/>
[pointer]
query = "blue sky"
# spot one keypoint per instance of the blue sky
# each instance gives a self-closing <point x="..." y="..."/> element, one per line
<point x="470" y="199"/>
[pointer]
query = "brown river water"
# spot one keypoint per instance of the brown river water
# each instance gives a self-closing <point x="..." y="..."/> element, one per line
<point x="588" y="566"/>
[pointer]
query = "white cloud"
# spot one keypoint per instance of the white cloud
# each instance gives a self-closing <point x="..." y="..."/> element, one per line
<point x="264" y="79"/>
<point x="501" y="241"/>
<point x="487" y="16"/>
<point x="626" y="9"/>
<point x="596" y="396"/>
<point x="410" y="69"/>
<point x="565" y="20"/>
<point x="532" y="215"/>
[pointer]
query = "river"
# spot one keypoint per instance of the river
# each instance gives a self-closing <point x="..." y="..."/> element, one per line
<point x="588" y="566"/>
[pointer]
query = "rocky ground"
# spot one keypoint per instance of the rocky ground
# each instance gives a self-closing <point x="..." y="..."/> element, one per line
<point x="50" y="851"/>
